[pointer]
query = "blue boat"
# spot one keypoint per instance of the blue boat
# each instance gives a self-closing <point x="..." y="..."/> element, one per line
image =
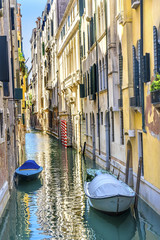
<point x="30" y="170"/>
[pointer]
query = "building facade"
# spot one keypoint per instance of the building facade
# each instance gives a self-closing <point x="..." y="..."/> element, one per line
<point x="97" y="62"/>
<point x="10" y="99"/>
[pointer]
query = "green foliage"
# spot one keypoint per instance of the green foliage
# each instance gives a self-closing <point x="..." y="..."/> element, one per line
<point x="156" y="83"/>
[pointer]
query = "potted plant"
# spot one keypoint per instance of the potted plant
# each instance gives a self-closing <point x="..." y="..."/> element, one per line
<point x="155" y="91"/>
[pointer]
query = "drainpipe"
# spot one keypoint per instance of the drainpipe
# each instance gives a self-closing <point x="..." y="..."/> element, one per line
<point x="80" y="80"/>
<point x="142" y="84"/>
<point x="99" y="138"/>
<point x="108" y="113"/>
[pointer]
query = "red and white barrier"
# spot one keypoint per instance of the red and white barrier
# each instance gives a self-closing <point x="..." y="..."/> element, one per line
<point x="64" y="133"/>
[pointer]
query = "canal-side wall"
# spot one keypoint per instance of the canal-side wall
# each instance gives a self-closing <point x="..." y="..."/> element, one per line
<point x="4" y="197"/>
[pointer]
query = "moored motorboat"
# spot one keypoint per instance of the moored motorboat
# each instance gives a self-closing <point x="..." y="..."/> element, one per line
<point x="30" y="170"/>
<point x="108" y="194"/>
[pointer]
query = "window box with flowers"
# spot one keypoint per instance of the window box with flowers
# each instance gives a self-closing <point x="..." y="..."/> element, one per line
<point x="155" y="92"/>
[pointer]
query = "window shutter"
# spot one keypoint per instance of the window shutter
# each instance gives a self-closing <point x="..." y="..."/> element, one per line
<point x="87" y="83"/>
<point x="94" y="29"/>
<point x="90" y="81"/>
<point x="120" y="73"/>
<point x="81" y="7"/>
<point x="155" y="43"/>
<point x="6" y="89"/>
<point x="146" y="62"/>
<point x="140" y="69"/>
<point x="52" y="28"/>
<point x="43" y="50"/>
<point x="95" y="77"/>
<point x="88" y="37"/>
<point x="135" y="73"/>
<point x="18" y="93"/>
<point x="81" y="90"/>
<point x="91" y="32"/>
<point x="12" y="19"/>
<point x="4" y="62"/>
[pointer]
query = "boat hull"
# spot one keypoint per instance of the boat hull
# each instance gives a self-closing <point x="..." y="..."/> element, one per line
<point x="114" y="205"/>
<point x="28" y="175"/>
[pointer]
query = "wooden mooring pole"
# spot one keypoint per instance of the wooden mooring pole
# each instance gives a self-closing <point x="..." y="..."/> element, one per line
<point x="127" y="166"/>
<point x="84" y="148"/>
<point x="138" y="182"/>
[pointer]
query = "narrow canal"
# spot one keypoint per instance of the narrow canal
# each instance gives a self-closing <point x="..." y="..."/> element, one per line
<point x="55" y="206"/>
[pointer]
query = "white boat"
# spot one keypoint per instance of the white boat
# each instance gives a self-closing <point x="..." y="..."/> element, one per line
<point x="107" y="194"/>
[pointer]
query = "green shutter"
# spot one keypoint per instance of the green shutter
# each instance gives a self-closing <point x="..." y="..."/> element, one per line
<point x="81" y="7"/>
<point x="23" y="118"/>
<point x="91" y="32"/>
<point x="43" y="49"/>
<point x="81" y="90"/>
<point x="94" y="29"/>
<point x="120" y="73"/>
<point x="90" y="80"/>
<point x="4" y="61"/>
<point x="18" y="93"/>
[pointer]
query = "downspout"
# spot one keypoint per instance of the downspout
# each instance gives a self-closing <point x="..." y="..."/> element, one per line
<point x="80" y="114"/>
<point x="99" y="138"/>
<point x="141" y="53"/>
<point x="108" y="113"/>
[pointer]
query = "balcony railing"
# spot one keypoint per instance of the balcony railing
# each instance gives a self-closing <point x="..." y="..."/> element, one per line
<point x="155" y="99"/>
<point x="135" y="3"/>
<point x="135" y="102"/>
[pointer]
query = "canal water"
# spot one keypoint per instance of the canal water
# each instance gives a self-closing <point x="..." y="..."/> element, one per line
<point x="55" y="206"/>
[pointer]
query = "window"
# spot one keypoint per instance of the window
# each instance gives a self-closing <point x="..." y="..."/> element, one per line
<point x="100" y="75"/>
<point x="0" y="4"/>
<point x="112" y="120"/>
<point x="69" y="21"/>
<point x="1" y="125"/>
<point x="103" y="75"/>
<point x="87" y="123"/>
<point x="97" y="126"/>
<point x="101" y="118"/>
<point x="91" y="123"/>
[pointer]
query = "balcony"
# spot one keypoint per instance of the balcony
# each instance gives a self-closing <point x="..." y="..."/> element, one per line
<point x="135" y="3"/>
<point x="120" y="103"/>
<point x="155" y="99"/>
<point x="135" y="102"/>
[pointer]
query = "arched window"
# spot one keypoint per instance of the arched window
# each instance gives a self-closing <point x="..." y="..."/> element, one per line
<point x="103" y="75"/>
<point x="87" y="123"/>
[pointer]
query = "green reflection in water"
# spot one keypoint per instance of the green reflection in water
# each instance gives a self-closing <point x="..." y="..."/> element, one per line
<point x="55" y="206"/>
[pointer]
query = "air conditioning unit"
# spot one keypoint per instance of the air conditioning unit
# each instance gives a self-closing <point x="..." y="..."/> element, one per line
<point x="131" y="133"/>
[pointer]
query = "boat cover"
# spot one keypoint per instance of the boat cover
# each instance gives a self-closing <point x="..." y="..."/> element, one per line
<point x="105" y="185"/>
<point x="30" y="164"/>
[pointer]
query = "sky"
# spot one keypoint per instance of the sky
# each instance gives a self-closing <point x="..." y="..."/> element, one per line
<point x="30" y="10"/>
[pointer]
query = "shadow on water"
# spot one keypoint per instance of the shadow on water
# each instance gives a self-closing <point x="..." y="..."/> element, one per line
<point x="29" y="187"/>
<point x="122" y="227"/>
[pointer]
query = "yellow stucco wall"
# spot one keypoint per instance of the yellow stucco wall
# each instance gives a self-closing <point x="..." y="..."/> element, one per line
<point x="133" y="119"/>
